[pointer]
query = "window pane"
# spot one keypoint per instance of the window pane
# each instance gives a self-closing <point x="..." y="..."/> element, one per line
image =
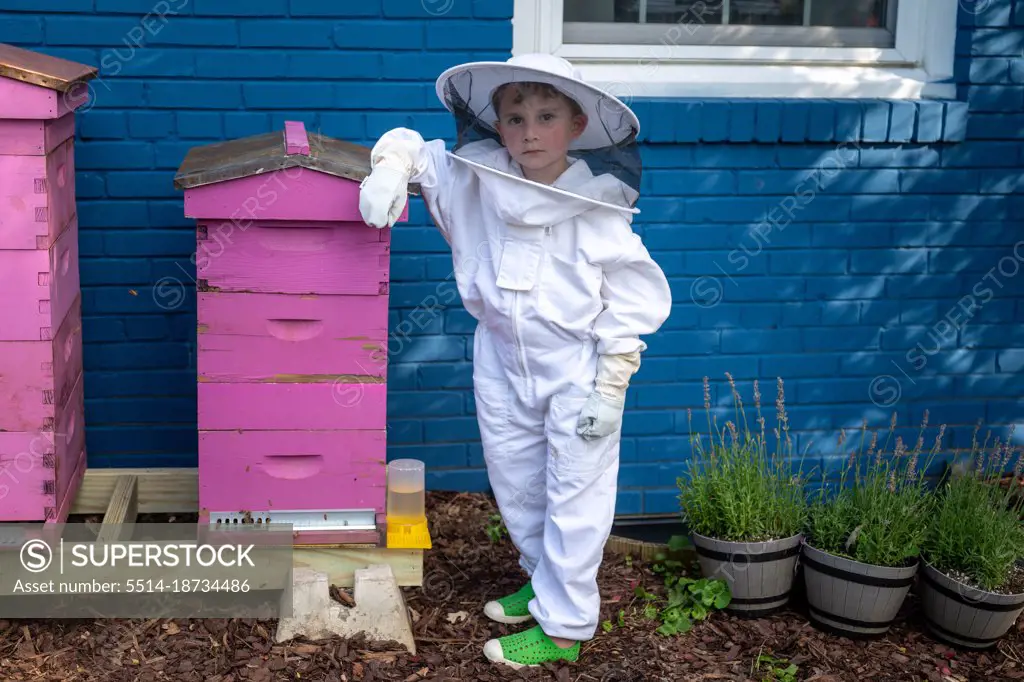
<point x="767" y="12"/>
<point x="836" y="13"/>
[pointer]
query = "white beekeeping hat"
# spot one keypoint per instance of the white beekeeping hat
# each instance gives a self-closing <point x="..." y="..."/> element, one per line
<point x="604" y="159"/>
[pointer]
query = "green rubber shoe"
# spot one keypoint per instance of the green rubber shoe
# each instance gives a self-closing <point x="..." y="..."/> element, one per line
<point x="528" y="648"/>
<point x="512" y="609"/>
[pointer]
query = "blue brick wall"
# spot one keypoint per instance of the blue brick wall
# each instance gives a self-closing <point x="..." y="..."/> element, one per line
<point x="867" y="252"/>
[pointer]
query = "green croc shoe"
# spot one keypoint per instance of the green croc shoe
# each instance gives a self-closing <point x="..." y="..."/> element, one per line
<point x="528" y="648"/>
<point x="513" y="608"/>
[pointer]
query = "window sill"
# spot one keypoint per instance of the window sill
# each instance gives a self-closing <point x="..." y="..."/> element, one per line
<point x="800" y="120"/>
<point x="680" y="79"/>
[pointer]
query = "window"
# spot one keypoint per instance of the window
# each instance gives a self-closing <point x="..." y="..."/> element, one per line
<point x="755" y="48"/>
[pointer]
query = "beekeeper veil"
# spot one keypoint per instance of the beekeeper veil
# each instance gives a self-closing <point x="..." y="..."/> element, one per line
<point x="604" y="160"/>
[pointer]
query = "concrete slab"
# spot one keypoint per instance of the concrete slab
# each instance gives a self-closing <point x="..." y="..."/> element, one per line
<point x="380" y="609"/>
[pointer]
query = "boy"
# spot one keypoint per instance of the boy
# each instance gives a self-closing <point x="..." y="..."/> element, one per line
<point x="547" y="263"/>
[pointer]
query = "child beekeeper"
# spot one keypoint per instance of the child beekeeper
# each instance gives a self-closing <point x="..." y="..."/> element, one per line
<point x="536" y="200"/>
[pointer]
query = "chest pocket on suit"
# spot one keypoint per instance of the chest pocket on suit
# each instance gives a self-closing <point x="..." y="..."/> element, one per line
<point x="570" y="292"/>
<point x="520" y="264"/>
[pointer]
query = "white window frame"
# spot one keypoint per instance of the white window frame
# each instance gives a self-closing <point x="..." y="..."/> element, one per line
<point x="923" y="56"/>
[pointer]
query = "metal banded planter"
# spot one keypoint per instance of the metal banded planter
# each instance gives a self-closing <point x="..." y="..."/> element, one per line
<point x="851" y="598"/>
<point x="966" y="616"/>
<point x="759" y="574"/>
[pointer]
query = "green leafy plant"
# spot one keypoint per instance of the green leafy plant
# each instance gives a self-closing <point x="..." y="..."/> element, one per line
<point x="495" y="528"/>
<point x="736" y="490"/>
<point x="879" y="514"/>
<point x="976" y="530"/>
<point x="779" y="670"/>
<point x="687" y="600"/>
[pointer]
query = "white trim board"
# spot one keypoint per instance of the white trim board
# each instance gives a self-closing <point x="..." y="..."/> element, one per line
<point x="919" y="66"/>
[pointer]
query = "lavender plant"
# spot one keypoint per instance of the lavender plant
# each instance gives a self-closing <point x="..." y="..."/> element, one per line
<point x="975" y="534"/>
<point x="879" y="514"/>
<point x="736" y="490"/>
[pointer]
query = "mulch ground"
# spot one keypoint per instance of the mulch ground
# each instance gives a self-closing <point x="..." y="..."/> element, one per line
<point x="464" y="570"/>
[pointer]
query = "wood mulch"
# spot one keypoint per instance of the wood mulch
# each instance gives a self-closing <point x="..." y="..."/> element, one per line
<point x="461" y="572"/>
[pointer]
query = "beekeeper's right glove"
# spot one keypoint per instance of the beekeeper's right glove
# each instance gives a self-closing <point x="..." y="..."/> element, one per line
<point x="385" y="191"/>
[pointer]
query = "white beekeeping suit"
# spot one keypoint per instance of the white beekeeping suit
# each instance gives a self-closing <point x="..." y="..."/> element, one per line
<point x="562" y="289"/>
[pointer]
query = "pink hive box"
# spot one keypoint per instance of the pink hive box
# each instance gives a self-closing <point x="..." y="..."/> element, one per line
<point x="42" y="398"/>
<point x="292" y="336"/>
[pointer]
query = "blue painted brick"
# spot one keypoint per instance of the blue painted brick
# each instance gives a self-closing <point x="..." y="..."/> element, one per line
<point x="468" y="480"/>
<point x="380" y="35"/>
<point x="386" y="96"/>
<point x="903" y="156"/>
<point x="257" y="8"/>
<point x="446" y="375"/>
<point x="139" y="185"/>
<point x="240" y="64"/>
<point x="329" y="8"/>
<point x="877" y="116"/>
<point x="760" y="340"/>
<point x="795" y="117"/>
<point x="20" y="30"/>
<point x="427" y="9"/>
<point x="996" y="42"/>
<point x="109" y="125"/>
<point x="742" y="121"/>
<point x="845" y="288"/>
<point x="488" y="9"/>
<point x="244" y="124"/>
<point x="851" y="122"/>
<point x="113" y="214"/>
<point x="284" y="95"/>
<point x="141" y="7"/>
<point x="433" y="456"/>
<point x="453" y="429"/>
<point x="977" y="155"/>
<point x="768" y="121"/>
<point x="200" y="124"/>
<point x="742" y="156"/>
<point x="661" y="501"/>
<point x="995" y="126"/>
<point x="715" y="117"/>
<point x="73" y="6"/>
<point x="689" y="122"/>
<point x="683" y="343"/>
<point x="98" y="330"/>
<point x="196" y="95"/>
<point x="682" y="182"/>
<point x="887" y="207"/>
<point x="847" y="338"/>
<point x="929" y="121"/>
<point x="150" y="125"/>
<point x="822" y="124"/>
<point x="995" y="98"/>
<point x="332" y="65"/>
<point x="1001" y="182"/>
<point x="152" y="62"/>
<point x="968" y="207"/>
<point x="1011" y="360"/>
<point x="903" y="121"/>
<point x="846" y="235"/>
<point x="807" y="262"/>
<point x="281" y="33"/>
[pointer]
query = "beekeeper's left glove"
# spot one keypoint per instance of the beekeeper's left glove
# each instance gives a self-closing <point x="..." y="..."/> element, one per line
<point x="602" y="413"/>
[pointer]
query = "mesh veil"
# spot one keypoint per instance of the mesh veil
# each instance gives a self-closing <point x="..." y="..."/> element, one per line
<point x="605" y="160"/>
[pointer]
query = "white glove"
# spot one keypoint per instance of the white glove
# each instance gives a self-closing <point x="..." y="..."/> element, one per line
<point x="384" y="192"/>
<point x="602" y="413"/>
<point x="382" y="196"/>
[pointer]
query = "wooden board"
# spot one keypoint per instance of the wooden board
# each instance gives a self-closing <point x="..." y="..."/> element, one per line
<point x="272" y="407"/>
<point x="37" y="377"/>
<point x="273" y="338"/>
<point x="38" y="196"/>
<point x="42" y="69"/>
<point x="38" y="288"/>
<point x="35" y="138"/>
<point x="352" y="259"/>
<point x="264" y="471"/>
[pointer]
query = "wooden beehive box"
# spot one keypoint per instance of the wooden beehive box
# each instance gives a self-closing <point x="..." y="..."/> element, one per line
<point x="292" y="308"/>
<point x="42" y="400"/>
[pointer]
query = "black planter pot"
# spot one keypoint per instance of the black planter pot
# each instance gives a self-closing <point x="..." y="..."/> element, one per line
<point x="966" y="616"/>
<point x="851" y="598"/>
<point x="759" y="574"/>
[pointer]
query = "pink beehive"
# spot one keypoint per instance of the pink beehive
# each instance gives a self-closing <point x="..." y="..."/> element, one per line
<point x="42" y="400"/>
<point x="292" y="313"/>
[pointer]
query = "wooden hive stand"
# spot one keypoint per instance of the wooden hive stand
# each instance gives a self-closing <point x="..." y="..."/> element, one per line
<point x="42" y="400"/>
<point x="121" y="494"/>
